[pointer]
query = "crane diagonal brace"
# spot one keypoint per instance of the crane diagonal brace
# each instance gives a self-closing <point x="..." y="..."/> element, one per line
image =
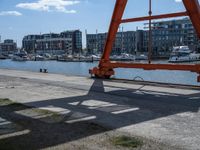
<point x="106" y="67"/>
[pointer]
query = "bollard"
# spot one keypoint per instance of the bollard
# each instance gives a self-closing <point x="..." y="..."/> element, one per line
<point x="45" y="71"/>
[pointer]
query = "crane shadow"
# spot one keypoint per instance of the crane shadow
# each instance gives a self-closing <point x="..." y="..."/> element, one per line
<point x="102" y="109"/>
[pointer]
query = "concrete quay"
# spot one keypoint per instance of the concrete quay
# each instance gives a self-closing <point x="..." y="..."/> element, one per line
<point x="165" y="113"/>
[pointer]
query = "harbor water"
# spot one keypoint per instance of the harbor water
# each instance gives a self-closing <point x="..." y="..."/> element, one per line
<point x="81" y="69"/>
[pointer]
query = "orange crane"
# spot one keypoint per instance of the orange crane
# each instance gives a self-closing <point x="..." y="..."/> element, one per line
<point x="106" y="67"/>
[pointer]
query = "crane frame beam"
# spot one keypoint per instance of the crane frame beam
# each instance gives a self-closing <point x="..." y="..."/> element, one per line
<point x="179" y="14"/>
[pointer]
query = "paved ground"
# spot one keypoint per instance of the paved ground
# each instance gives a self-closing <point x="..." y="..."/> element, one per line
<point x="163" y="113"/>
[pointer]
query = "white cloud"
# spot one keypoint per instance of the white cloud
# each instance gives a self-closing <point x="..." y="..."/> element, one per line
<point x="50" y="5"/>
<point x="178" y="0"/>
<point x="10" y="13"/>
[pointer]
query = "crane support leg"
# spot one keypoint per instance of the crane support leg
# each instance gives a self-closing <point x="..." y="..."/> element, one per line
<point x="193" y="11"/>
<point x="101" y="71"/>
<point x="106" y="67"/>
<point x="198" y="80"/>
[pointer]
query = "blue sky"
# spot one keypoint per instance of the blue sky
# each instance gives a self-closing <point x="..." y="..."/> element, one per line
<point x="23" y="17"/>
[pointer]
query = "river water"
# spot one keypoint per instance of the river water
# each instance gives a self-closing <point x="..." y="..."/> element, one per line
<point x="81" y="69"/>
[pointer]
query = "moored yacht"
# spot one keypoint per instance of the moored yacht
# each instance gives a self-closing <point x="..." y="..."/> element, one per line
<point x="141" y="57"/>
<point x="183" y="54"/>
<point x="20" y="55"/>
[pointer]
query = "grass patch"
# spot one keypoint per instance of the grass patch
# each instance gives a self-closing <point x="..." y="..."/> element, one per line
<point x="28" y="111"/>
<point x="11" y="104"/>
<point x="5" y="101"/>
<point x="43" y="111"/>
<point x="46" y="112"/>
<point x="125" y="141"/>
<point x="51" y="116"/>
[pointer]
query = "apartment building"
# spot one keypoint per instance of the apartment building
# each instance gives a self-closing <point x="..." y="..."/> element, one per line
<point x="66" y="42"/>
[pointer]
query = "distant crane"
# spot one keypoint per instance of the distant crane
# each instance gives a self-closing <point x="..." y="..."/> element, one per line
<point x="106" y="67"/>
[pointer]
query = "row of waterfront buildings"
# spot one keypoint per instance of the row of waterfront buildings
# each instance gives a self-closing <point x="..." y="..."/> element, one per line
<point x="7" y="47"/>
<point x="66" y="42"/>
<point x="165" y="35"/>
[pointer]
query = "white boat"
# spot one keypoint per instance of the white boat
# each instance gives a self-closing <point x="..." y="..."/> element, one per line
<point x="39" y="58"/>
<point x="95" y="57"/>
<point x="20" y="56"/>
<point x="141" y="57"/>
<point x="183" y="54"/>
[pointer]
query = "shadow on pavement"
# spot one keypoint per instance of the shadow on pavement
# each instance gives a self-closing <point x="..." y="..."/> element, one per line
<point x="98" y="111"/>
